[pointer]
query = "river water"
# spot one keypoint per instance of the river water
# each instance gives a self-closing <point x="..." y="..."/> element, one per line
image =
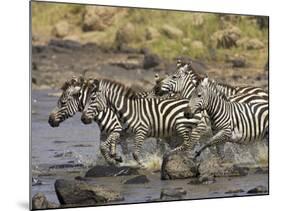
<point x="70" y="149"/>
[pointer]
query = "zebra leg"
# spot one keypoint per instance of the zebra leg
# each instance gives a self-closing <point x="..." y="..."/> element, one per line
<point x="218" y="138"/>
<point x="106" y="148"/>
<point x="113" y="139"/>
<point x="139" y="138"/>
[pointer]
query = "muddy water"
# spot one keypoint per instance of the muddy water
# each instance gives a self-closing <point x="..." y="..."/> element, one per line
<point x="69" y="150"/>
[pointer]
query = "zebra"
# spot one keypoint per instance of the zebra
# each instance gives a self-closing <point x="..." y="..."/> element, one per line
<point x="144" y="117"/>
<point x="238" y="122"/>
<point x="73" y="99"/>
<point x="182" y="83"/>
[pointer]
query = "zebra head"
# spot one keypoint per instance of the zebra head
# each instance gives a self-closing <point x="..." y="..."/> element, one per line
<point x="179" y="82"/>
<point x="68" y="103"/>
<point x="96" y="103"/>
<point x="200" y="96"/>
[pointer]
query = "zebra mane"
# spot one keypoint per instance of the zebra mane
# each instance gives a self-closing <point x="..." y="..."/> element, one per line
<point x="73" y="82"/>
<point x="213" y="85"/>
<point x="127" y="91"/>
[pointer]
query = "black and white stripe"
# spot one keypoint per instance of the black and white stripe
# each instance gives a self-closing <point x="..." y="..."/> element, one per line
<point x="239" y="122"/>
<point x="144" y="117"/>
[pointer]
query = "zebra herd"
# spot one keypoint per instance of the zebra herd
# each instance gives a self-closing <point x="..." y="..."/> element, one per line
<point x="179" y="105"/>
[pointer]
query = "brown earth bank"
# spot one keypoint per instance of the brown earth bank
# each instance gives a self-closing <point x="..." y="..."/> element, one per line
<point x="59" y="60"/>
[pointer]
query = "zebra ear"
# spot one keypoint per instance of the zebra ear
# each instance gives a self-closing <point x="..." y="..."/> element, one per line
<point x="205" y="81"/>
<point x="76" y="90"/>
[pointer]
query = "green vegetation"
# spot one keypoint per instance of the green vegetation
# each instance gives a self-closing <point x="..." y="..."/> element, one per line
<point x="196" y="38"/>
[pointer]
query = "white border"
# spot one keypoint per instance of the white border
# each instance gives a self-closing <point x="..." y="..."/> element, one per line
<point x="15" y="102"/>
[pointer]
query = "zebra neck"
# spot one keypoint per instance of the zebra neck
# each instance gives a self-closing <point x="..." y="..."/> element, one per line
<point x="217" y="109"/>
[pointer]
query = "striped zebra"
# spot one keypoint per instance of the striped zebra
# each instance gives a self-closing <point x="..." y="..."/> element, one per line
<point x="73" y="99"/>
<point x="182" y="82"/>
<point x="144" y="117"/>
<point x="238" y="122"/>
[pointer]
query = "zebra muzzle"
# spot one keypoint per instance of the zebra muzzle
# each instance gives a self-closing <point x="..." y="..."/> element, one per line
<point x="53" y="122"/>
<point x="86" y="120"/>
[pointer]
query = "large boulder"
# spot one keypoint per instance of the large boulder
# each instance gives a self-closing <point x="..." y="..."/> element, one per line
<point x="151" y="60"/>
<point x="227" y="38"/>
<point x="125" y="34"/>
<point x="171" y="32"/>
<point x="151" y="33"/>
<point x="61" y="29"/>
<point x="39" y="201"/>
<point x="141" y="179"/>
<point x="108" y="171"/>
<point x="178" y="166"/>
<point x="83" y="193"/>
<point x="97" y="18"/>
<point x="172" y="193"/>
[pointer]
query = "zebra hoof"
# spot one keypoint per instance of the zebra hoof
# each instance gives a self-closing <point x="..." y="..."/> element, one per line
<point x="118" y="159"/>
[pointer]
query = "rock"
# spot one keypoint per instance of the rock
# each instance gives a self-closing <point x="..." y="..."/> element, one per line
<point x="250" y="44"/>
<point x="128" y="65"/>
<point x="178" y="166"/>
<point x="36" y="181"/>
<point x="170" y="194"/>
<point x="97" y="18"/>
<point x="235" y="191"/>
<point x="107" y="171"/>
<point x="39" y="201"/>
<point x="197" y="45"/>
<point x="151" y="60"/>
<point x="197" y="19"/>
<point x="254" y="44"/>
<point x="64" y="154"/>
<point x="67" y="44"/>
<point x="125" y="34"/>
<point x="141" y="179"/>
<point x="227" y="38"/>
<point x="82" y="193"/>
<point x="61" y="29"/>
<point x="151" y="33"/>
<point x="171" y="32"/>
<point x="66" y="165"/>
<point x="258" y="189"/>
<point x="238" y="62"/>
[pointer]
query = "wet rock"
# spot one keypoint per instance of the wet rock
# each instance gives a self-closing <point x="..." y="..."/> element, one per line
<point x="64" y="154"/>
<point x="178" y="166"/>
<point x="171" y="32"/>
<point x="59" y="142"/>
<point x="151" y="60"/>
<point x="82" y="193"/>
<point x="67" y="44"/>
<point x="61" y="29"/>
<point x="258" y="189"/>
<point x="107" y="171"/>
<point x="235" y="191"/>
<point x="141" y="179"/>
<point x="97" y="18"/>
<point x="151" y="33"/>
<point x="82" y="145"/>
<point x="36" y="181"/>
<point x="172" y="193"/>
<point x="227" y="38"/>
<point x="66" y="165"/>
<point x="39" y="201"/>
